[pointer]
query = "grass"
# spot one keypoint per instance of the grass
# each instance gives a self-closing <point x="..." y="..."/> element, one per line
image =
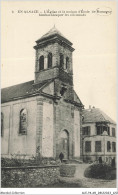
<point x="63" y="184"/>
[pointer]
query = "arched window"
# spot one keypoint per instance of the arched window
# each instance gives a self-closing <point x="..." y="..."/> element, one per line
<point x="23" y="121"/>
<point x="49" y="60"/>
<point x="2" y="123"/>
<point x="41" y="63"/>
<point x="67" y="62"/>
<point x="61" y="60"/>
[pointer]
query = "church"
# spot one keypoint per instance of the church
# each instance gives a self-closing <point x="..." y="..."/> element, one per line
<point x="44" y="116"/>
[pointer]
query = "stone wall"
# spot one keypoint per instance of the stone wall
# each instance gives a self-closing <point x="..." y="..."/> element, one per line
<point x="64" y="121"/>
<point x="48" y="73"/>
<point x="27" y="177"/>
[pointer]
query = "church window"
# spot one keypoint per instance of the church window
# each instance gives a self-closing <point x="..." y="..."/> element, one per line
<point x="67" y="62"/>
<point x="49" y="60"/>
<point x="41" y="63"/>
<point x="88" y="146"/>
<point x="23" y="121"/>
<point x="61" y="60"/>
<point x="2" y="123"/>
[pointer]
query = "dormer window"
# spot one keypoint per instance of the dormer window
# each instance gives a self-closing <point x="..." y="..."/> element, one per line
<point x="49" y="60"/>
<point x="102" y="128"/>
<point x="61" y="60"/>
<point x="41" y="63"/>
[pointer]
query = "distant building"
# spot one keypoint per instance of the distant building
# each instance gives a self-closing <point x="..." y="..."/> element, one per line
<point x="99" y="136"/>
<point x="43" y="116"/>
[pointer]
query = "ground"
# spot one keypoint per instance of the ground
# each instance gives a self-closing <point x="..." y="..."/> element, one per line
<point x="79" y="181"/>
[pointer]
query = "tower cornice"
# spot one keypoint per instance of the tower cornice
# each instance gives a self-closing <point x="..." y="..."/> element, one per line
<point x="54" y="39"/>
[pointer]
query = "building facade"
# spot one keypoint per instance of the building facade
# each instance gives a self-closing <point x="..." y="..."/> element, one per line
<point x="99" y="136"/>
<point x="43" y="116"/>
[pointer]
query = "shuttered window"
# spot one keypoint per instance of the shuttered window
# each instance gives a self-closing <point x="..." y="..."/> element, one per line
<point x="88" y="146"/>
<point x="113" y="146"/>
<point x="86" y="130"/>
<point x="98" y="146"/>
<point x="113" y="132"/>
<point x="108" y="146"/>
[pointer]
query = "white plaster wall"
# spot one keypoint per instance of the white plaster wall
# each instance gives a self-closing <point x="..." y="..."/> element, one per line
<point x="5" y="138"/>
<point x="103" y="140"/>
<point x="24" y="144"/>
<point x="47" y="134"/>
<point x="76" y="133"/>
<point x="19" y="144"/>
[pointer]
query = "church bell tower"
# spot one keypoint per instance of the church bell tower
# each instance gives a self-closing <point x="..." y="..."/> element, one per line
<point x="54" y="62"/>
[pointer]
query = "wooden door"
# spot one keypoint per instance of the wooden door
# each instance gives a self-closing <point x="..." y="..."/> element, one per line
<point x="64" y="144"/>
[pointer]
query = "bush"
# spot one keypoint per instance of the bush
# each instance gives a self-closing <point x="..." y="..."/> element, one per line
<point x="100" y="171"/>
<point x="67" y="170"/>
<point x="16" y="162"/>
<point x="6" y="162"/>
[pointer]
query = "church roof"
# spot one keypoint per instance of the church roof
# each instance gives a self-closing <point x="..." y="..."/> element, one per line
<point x="96" y="115"/>
<point x="28" y="89"/>
<point x="20" y="90"/>
<point x="52" y="32"/>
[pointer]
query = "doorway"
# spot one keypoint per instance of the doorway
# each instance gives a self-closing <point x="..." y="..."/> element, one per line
<point x="64" y="143"/>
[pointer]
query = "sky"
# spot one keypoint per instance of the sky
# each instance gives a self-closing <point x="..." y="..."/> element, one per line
<point x="93" y="37"/>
